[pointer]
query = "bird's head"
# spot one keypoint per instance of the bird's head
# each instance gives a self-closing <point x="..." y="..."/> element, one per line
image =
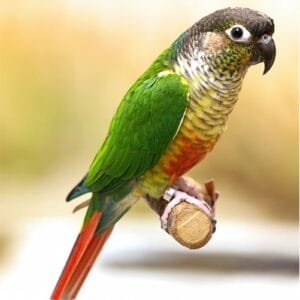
<point x="233" y="39"/>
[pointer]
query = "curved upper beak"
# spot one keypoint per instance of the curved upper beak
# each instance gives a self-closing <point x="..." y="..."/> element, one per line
<point x="268" y="53"/>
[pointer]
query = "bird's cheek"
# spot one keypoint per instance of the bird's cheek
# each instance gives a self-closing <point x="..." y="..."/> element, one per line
<point x="214" y="42"/>
<point x="255" y="57"/>
<point x="246" y="58"/>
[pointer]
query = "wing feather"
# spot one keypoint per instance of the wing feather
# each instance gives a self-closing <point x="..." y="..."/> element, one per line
<point x="142" y="128"/>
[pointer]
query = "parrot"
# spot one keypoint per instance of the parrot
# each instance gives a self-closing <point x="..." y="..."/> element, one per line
<point x="167" y="122"/>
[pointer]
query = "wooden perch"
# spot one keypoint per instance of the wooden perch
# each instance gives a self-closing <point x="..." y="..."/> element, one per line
<point x="187" y="223"/>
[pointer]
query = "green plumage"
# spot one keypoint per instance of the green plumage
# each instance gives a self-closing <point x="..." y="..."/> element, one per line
<point x="142" y="128"/>
<point x="166" y="123"/>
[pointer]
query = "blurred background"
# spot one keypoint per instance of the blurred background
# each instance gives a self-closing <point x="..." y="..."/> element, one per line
<point x="64" y="67"/>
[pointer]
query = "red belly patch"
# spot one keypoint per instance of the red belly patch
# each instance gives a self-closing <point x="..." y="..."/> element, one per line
<point x="188" y="153"/>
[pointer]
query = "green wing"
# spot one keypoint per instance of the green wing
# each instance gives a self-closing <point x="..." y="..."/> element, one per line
<point x="141" y="130"/>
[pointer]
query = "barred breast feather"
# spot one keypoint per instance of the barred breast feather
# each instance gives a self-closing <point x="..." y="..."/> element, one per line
<point x="211" y="98"/>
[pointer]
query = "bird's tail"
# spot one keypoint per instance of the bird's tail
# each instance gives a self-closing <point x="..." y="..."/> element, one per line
<point x="99" y="221"/>
<point x="84" y="253"/>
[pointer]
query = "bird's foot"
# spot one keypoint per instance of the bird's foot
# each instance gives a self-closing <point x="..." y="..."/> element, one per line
<point x="189" y="187"/>
<point x="174" y="197"/>
<point x="206" y="192"/>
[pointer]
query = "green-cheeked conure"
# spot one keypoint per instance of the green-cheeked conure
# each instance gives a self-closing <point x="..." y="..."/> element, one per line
<point x="167" y="122"/>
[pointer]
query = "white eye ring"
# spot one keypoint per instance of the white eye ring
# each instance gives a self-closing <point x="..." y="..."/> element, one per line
<point x="238" y="33"/>
<point x="265" y="39"/>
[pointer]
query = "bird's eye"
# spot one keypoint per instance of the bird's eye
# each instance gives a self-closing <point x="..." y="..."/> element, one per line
<point x="239" y="33"/>
<point x="236" y="32"/>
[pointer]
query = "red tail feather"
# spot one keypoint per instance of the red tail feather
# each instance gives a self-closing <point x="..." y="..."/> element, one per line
<point x="81" y="258"/>
<point x="86" y="263"/>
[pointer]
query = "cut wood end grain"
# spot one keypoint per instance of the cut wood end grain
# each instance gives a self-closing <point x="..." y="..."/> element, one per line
<point x="189" y="225"/>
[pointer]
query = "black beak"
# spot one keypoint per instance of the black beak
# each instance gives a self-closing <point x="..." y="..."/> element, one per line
<point x="268" y="53"/>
